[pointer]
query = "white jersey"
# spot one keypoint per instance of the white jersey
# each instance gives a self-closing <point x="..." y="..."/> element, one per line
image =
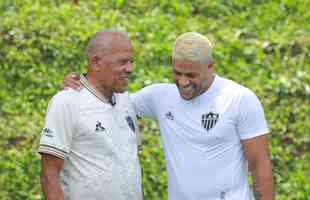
<point x="202" y="137"/>
<point x="98" y="143"/>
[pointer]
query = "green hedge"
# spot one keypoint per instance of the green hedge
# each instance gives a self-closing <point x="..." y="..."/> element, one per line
<point x="262" y="44"/>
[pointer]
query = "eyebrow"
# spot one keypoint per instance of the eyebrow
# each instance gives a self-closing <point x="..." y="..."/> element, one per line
<point x="176" y="71"/>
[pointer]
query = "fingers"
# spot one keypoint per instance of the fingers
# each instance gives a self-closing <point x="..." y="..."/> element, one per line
<point x="72" y="81"/>
<point x="74" y="76"/>
<point x="65" y="88"/>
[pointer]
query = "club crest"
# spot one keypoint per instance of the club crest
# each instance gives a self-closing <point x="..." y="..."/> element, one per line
<point x="208" y="121"/>
<point x="130" y="123"/>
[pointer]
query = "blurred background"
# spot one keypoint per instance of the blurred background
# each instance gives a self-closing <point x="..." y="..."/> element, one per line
<point x="262" y="44"/>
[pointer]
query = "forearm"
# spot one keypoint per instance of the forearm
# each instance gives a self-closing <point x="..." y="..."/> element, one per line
<point x="262" y="181"/>
<point x="51" y="188"/>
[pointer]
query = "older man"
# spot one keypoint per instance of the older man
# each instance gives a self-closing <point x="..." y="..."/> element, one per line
<point x="212" y="128"/>
<point x="89" y="142"/>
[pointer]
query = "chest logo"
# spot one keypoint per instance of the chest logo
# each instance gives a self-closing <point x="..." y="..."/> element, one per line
<point x="99" y="127"/>
<point x="130" y="123"/>
<point x="208" y="121"/>
<point x="169" y="115"/>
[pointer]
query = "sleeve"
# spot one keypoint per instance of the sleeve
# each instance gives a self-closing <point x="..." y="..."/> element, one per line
<point x="251" y="119"/>
<point x="144" y="102"/>
<point x="135" y="121"/>
<point x="56" y="136"/>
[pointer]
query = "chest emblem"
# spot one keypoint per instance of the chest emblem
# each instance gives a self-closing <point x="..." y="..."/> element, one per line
<point x="208" y="121"/>
<point x="130" y="123"/>
<point x="169" y="115"/>
<point x="99" y="127"/>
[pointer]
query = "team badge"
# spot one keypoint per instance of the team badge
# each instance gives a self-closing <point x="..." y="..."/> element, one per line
<point x="209" y="120"/>
<point x="130" y="123"/>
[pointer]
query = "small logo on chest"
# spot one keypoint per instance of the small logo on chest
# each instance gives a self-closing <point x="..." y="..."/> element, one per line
<point x="99" y="127"/>
<point x="169" y="115"/>
<point x="208" y="121"/>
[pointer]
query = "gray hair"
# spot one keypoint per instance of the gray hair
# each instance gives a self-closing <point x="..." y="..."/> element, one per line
<point x="100" y="42"/>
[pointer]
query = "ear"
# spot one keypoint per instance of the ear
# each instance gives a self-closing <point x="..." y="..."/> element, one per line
<point x="210" y="64"/>
<point x="95" y="63"/>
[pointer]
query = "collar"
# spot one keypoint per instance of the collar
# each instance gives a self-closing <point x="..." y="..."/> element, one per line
<point x="92" y="90"/>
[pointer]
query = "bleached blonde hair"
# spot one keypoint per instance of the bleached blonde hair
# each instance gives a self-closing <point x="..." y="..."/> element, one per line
<point x="193" y="47"/>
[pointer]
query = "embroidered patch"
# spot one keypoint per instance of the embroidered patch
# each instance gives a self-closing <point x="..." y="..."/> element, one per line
<point x="208" y="121"/>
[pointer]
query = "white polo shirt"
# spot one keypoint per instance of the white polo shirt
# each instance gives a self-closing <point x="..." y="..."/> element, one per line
<point x="202" y="137"/>
<point x="98" y="142"/>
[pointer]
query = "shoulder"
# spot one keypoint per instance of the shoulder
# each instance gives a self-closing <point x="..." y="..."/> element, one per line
<point x="235" y="89"/>
<point x="64" y="98"/>
<point x="122" y="97"/>
<point x="159" y="88"/>
<point x="155" y="92"/>
<point x="243" y="99"/>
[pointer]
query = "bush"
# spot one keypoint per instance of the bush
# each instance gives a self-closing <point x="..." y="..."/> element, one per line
<point x="264" y="45"/>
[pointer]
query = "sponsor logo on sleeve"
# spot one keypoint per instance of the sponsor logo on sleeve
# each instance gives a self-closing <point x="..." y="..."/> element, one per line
<point x="47" y="132"/>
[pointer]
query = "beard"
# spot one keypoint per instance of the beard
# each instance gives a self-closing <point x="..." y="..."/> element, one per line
<point x="192" y="90"/>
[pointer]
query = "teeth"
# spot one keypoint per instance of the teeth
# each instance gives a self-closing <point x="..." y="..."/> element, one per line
<point x="187" y="89"/>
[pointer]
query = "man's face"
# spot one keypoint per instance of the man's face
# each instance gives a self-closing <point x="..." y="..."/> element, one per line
<point x="190" y="77"/>
<point x="117" y="66"/>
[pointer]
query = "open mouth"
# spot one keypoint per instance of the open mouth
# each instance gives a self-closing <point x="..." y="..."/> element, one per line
<point x="126" y="78"/>
<point x="187" y="89"/>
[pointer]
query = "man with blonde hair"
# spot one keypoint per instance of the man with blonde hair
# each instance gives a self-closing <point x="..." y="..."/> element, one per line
<point x="212" y="128"/>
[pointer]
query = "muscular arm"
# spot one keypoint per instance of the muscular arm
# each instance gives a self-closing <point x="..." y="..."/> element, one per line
<point x="256" y="151"/>
<point x="51" y="167"/>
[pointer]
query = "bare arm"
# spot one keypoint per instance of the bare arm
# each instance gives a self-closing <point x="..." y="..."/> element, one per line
<point x="256" y="151"/>
<point x="51" y="167"/>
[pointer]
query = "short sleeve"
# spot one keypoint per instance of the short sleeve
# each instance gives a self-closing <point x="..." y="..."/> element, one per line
<point x="135" y="120"/>
<point x="56" y="136"/>
<point x="251" y="119"/>
<point x="144" y="101"/>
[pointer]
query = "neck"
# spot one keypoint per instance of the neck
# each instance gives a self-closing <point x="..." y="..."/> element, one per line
<point x="107" y="94"/>
<point x="206" y="84"/>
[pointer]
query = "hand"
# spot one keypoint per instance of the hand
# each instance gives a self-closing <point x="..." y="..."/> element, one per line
<point x="72" y="81"/>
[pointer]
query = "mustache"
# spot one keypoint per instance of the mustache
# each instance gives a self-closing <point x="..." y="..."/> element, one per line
<point x="127" y="75"/>
<point x="187" y="87"/>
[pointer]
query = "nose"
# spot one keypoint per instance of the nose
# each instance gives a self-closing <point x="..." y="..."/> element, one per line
<point x="129" y="67"/>
<point x="183" y="81"/>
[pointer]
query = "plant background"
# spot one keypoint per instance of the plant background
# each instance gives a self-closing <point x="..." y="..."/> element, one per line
<point x="262" y="44"/>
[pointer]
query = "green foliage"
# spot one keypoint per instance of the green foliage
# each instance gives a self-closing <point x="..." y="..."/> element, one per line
<point x="264" y="45"/>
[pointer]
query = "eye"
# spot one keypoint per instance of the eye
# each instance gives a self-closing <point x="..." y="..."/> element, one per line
<point x="191" y="75"/>
<point x="125" y="61"/>
<point x="176" y="73"/>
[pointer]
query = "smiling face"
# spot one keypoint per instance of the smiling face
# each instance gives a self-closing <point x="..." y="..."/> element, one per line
<point x="116" y="66"/>
<point x="191" y="78"/>
<point x="192" y="64"/>
<point x="111" y="62"/>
